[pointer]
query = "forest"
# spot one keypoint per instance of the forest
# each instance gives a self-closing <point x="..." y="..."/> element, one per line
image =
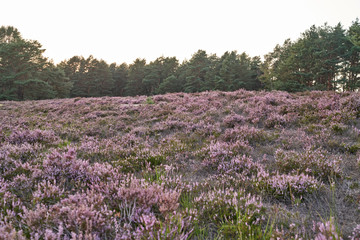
<point x="322" y="58"/>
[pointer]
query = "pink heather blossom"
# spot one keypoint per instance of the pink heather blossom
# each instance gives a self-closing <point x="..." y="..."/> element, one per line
<point x="186" y="165"/>
<point x="326" y="231"/>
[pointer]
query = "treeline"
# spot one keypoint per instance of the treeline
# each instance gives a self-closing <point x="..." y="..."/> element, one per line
<point x="323" y="58"/>
<point x="25" y="73"/>
<point x="92" y="77"/>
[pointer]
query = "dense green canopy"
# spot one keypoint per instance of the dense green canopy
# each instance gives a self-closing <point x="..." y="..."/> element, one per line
<point x="323" y="58"/>
<point x="25" y="73"/>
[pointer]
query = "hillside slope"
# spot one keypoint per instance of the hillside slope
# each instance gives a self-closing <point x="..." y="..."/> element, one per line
<point x="199" y="166"/>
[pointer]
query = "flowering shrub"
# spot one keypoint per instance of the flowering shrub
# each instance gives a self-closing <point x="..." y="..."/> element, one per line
<point x="234" y="119"/>
<point x="326" y="231"/>
<point x="31" y="136"/>
<point x="246" y="133"/>
<point x="233" y="211"/>
<point x="48" y="192"/>
<point x="180" y="166"/>
<point x="284" y="185"/>
<point x="355" y="233"/>
<point x="317" y="163"/>
<point x="274" y="119"/>
<point x="241" y="164"/>
<point x="218" y="153"/>
<point x="66" y="168"/>
<point x="7" y="231"/>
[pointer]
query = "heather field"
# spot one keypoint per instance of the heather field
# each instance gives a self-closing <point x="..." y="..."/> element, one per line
<point x="211" y="165"/>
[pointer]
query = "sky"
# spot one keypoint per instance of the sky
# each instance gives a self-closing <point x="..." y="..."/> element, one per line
<point x="121" y="31"/>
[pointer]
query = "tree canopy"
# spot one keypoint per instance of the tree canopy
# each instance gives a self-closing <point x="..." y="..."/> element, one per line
<point x="322" y="58"/>
<point x="24" y="72"/>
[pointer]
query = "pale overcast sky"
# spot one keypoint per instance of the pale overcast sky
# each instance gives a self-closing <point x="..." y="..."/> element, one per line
<point x="121" y="31"/>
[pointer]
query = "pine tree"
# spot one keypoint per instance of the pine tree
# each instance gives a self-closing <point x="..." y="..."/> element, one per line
<point x="169" y="85"/>
<point x="21" y="66"/>
<point x="56" y="78"/>
<point x="157" y="71"/>
<point x="76" y="69"/>
<point x="120" y="78"/>
<point x="136" y="75"/>
<point x="352" y="59"/>
<point x="196" y="72"/>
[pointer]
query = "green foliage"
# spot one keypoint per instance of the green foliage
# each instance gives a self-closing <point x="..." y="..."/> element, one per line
<point x="21" y="66"/>
<point x="138" y="163"/>
<point x="120" y="78"/>
<point x="169" y="85"/>
<point x="350" y="148"/>
<point x="90" y="77"/>
<point x="235" y="219"/>
<point x="241" y="230"/>
<point x="156" y="73"/>
<point x="196" y="72"/>
<point x="154" y="160"/>
<point x="237" y="71"/>
<point x="323" y="58"/>
<point x="351" y="75"/>
<point x="25" y="73"/>
<point x="136" y="75"/>
<point x="59" y="83"/>
<point x="63" y="144"/>
<point x="19" y="170"/>
<point x="154" y="175"/>
<point x="338" y="129"/>
<point x="149" y="100"/>
<point x="316" y="163"/>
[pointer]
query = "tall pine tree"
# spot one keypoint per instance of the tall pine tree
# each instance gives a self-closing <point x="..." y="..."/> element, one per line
<point x="21" y="66"/>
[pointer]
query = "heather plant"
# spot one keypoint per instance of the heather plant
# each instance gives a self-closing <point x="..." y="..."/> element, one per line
<point x="29" y="136"/>
<point x="48" y="193"/>
<point x="24" y="152"/>
<point x="149" y="196"/>
<point x="355" y="234"/>
<point x="7" y="231"/>
<point x="274" y="120"/>
<point x="21" y="186"/>
<point x="234" y="213"/>
<point x="234" y="119"/>
<point x="286" y="186"/>
<point x="242" y="171"/>
<point x="78" y="213"/>
<point x="149" y="100"/>
<point x="187" y="166"/>
<point x="217" y="153"/>
<point x="318" y="163"/>
<point x="297" y="139"/>
<point x="16" y="159"/>
<point x="67" y="170"/>
<point x="326" y="230"/>
<point x="247" y="133"/>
